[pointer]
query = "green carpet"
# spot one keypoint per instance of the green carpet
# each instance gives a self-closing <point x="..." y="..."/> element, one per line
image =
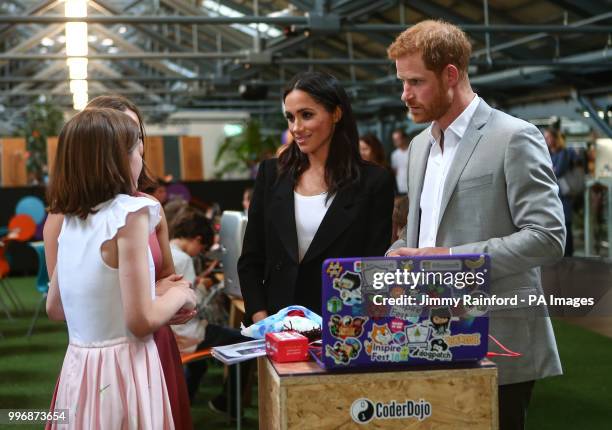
<point x="581" y="399"/>
<point x="29" y="366"/>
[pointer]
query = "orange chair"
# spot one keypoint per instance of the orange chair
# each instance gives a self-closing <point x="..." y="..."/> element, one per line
<point x="195" y="356"/>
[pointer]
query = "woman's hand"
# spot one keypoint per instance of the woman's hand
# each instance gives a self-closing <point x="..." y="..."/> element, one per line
<point x="174" y="280"/>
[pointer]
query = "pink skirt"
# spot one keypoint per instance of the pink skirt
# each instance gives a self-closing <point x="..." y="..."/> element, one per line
<point x="117" y="384"/>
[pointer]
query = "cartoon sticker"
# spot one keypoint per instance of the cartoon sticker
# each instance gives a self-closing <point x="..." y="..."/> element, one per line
<point x="334" y="269"/>
<point x="346" y="326"/>
<point x="437" y="350"/>
<point x="334" y="304"/>
<point x="417" y="335"/>
<point x="385" y="346"/>
<point x="349" y="286"/>
<point x="475" y="264"/>
<point x="343" y="352"/>
<point x="439" y="319"/>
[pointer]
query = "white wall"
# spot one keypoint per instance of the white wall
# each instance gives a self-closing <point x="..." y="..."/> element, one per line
<point x="206" y="124"/>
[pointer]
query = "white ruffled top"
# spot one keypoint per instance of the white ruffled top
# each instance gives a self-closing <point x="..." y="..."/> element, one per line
<point x="89" y="288"/>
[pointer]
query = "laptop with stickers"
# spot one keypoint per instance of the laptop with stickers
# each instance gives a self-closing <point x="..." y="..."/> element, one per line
<point x="381" y="311"/>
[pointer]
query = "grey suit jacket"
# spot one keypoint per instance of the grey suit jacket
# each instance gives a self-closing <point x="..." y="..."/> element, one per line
<point x="501" y="198"/>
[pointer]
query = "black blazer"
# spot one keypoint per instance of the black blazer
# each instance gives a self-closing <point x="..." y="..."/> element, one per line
<point x="357" y="224"/>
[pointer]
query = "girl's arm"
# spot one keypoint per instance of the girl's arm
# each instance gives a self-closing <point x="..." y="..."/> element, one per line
<point x="164" y="245"/>
<point x="55" y="310"/>
<point x="164" y="241"/>
<point x="143" y="315"/>
<point x="51" y="232"/>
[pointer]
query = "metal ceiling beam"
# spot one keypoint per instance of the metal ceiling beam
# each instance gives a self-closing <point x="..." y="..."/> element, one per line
<point x="34" y="40"/>
<point x="139" y="55"/>
<point x="588" y="105"/>
<point x="302" y="4"/>
<point x="154" y="19"/>
<point x="132" y="50"/>
<point x="491" y="28"/>
<point x="138" y="78"/>
<point x="537" y="36"/>
<point x="41" y="7"/>
<point x="63" y="91"/>
<point x="107" y="9"/>
<point x="234" y="36"/>
<point x="588" y="7"/>
<point x="106" y="70"/>
<point x="301" y="23"/>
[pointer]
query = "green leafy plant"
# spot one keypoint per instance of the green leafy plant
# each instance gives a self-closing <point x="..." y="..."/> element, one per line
<point x="42" y="120"/>
<point x="240" y="153"/>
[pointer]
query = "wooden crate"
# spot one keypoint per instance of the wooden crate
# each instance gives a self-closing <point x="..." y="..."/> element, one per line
<point x="303" y="396"/>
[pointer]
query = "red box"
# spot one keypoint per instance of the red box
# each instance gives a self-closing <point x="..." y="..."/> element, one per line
<point x="287" y="346"/>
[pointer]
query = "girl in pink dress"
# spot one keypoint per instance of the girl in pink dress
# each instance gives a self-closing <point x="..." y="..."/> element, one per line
<point x="103" y="285"/>
<point x="165" y="277"/>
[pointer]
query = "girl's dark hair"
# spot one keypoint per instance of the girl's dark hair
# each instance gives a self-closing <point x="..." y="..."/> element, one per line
<point x="378" y="152"/>
<point x="92" y="163"/>
<point x="190" y="223"/>
<point x="120" y="103"/>
<point x="343" y="160"/>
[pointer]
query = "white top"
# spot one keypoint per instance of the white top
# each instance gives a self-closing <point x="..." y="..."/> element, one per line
<point x="438" y="165"/>
<point x="183" y="263"/>
<point x="399" y="163"/>
<point x="192" y="333"/>
<point x="309" y="212"/>
<point x="89" y="288"/>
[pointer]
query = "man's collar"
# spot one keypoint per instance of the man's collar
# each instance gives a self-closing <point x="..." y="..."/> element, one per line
<point x="459" y="125"/>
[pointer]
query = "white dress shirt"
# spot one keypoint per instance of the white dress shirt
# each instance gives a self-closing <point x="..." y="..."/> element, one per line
<point x="438" y="165"/>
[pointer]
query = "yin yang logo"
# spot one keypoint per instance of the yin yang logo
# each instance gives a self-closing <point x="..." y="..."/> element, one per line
<point x="362" y="411"/>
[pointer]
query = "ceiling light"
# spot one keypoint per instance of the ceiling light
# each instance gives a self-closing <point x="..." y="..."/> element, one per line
<point x="76" y="8"/>
<point x="78" y="86"/>
<point x="79" y="100"/>
<point x="77" y="68"/>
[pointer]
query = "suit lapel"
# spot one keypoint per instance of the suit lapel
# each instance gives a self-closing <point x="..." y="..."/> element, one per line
<point x="284" y="212"/>
<point x="465" y="149"/>
<point x="338" y="217"/>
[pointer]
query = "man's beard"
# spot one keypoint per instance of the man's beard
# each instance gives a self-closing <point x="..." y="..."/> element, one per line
<point x="438" y="107"/>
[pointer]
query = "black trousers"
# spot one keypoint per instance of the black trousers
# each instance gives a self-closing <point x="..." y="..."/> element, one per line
<point x="215" y="336"/>
<point x="513" y="402"/>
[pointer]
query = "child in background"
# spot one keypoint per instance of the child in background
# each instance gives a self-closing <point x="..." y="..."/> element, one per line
<point x="192" y="234"/>
<point x="103" y="283"/>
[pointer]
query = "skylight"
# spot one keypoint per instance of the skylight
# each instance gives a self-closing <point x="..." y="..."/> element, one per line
<point x="216" y="9"/>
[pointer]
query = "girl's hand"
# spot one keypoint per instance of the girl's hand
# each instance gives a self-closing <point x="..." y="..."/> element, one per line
<point x="190" y="298"/>
<point x="174" y="280"/>
<point x="182" y="316"/>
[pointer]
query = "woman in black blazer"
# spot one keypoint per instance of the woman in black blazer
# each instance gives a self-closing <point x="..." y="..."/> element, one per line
<point x="318" y="200"/>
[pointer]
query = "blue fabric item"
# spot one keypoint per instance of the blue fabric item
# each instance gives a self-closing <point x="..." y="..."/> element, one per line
<point x="278" y="322"/>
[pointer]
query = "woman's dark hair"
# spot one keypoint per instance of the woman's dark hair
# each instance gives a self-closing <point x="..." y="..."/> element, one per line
<point x="378" y="152"/>
<point x="343" y="160"/>
<point x="190" y="223"/>
<point x="120" y="103"/>
<point x="92" y="163"/>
